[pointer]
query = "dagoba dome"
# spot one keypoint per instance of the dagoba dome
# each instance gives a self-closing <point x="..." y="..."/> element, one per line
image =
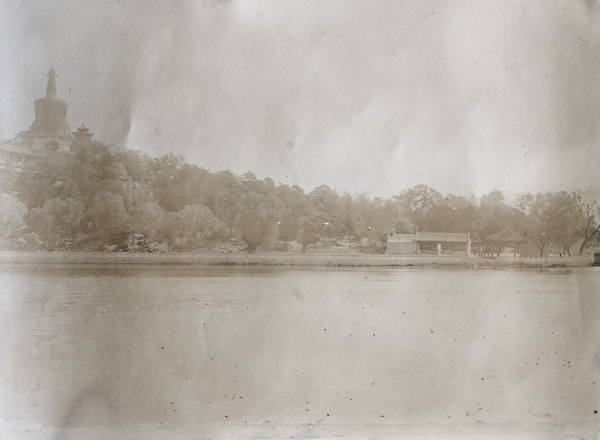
<point x="50" y="130"/>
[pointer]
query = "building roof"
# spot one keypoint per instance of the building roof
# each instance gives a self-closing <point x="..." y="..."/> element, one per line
<point x="442" y="237"/>
<point x="16" y="149"/>
<point x="401" y="238"/>
<point x="506" y="235"/>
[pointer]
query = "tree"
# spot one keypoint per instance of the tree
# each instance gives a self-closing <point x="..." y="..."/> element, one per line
<point x="59" y="218"/>
<point x="167" y="175"/>
<point x="494" y="215"/>
<point x="138" y="166"/>
<point x="49" y="176"/>
<point x="312" y="225"/>
<point x="296" y="205"/>
<point x="146" y="219"/>
<point x="451" y="214"/>
<point x="108" y="213"/>
<point x="493" y="197"/>
<point x="375" y="219"/>
<point x="588" y="206"/>
<point x="326" y="200"/>
<point x="12" y="215"/>
<point x="404" y="226"/>
<point x="418" y="203"/>
<point x="536" y="209"/>
<point x="563" y="220"/>
<point x="144" y="213"/>
<point x="41" y="224"/>
<point x="344" y="222"/>
<point x="256" y="221"/>
<point x="226" y="198"/>
<point x="199" y="223"/>
<point x="171" y="228"/>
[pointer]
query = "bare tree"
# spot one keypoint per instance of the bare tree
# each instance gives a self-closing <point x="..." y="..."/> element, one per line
<point x="588" y="204"/>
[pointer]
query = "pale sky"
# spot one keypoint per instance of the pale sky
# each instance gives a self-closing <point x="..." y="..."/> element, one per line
<point x="376" y="96"/>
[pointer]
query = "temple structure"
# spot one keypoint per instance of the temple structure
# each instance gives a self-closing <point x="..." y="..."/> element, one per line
<point x="495" y="244"/>
<point x="81" y="138"/>
<point x="50" y="130"/>
<point x="48" y="133"/>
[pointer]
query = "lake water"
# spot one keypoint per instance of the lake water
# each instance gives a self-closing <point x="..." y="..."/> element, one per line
<point x="126" y="352"/>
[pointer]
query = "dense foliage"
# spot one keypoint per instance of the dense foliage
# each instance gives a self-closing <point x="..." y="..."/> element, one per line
<point x="98" y="198"/>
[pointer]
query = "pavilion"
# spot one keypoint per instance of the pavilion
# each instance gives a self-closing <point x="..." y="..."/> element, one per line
<point x="436" y="243"/>
<point x="495" y="243"/>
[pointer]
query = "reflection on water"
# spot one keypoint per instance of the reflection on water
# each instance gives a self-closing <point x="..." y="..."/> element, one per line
<point x="189" y="349"/>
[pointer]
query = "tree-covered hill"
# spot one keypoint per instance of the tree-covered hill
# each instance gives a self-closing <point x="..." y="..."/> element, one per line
<point x="100" y="198"/>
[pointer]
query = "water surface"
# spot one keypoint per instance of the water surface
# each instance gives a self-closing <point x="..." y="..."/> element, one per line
<point x="213" y="352"/>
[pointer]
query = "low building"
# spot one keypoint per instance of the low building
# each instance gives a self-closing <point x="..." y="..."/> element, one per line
<point x="401" y="244"/>
<point x="433" y="243"/>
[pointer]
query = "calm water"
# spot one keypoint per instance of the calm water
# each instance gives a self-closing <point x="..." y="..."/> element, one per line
<point x="180" y="352"/>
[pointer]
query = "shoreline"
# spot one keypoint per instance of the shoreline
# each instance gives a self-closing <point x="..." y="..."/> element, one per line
<point x="286" y="259"/>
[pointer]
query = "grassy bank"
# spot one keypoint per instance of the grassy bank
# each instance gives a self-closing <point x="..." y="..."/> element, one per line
<point x="282" y="259"/>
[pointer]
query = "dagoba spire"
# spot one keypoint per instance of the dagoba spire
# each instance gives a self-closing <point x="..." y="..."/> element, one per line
<point x="51" y="87"/>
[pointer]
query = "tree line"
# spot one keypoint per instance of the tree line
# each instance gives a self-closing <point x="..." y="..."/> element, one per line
<point x="98" y="197"/>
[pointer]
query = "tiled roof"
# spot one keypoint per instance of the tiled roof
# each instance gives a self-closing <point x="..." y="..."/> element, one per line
<point x="442" y="237"/>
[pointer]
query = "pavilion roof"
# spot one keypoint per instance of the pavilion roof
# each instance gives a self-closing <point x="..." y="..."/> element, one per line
<point x="506" y="235"/>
